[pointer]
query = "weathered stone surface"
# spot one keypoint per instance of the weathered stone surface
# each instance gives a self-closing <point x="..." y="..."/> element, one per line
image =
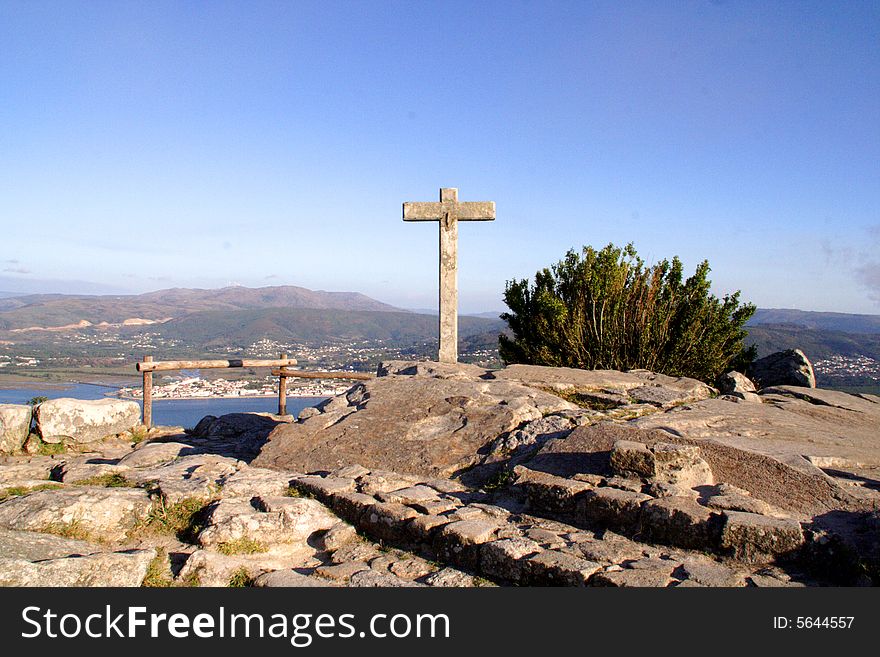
<point x="604" y="380"/>
<point x="341" y="571"/>
<point x="101" y="569"/>
<point x="200" y="476"/>
<point x="387" y="521"/>
<point x="711" y="573"/>
<point x="287" y="579"/>
<point x="790" y="367"/>
<point x="679" y="521"/>
<point x="534" y="433"/>
<point x="84" y="421"/>
<point x="15" y="424"/>
<point x="754" y="538"/>
<point x="155" y="454"/>
<point x="549" y="493"/>
<point x="735" y="383"/>
<point x="504" y="559"/>
<point x="450" y="578"/>
<point x="322" y="487"/>
<point x="102" y="513"/>
<point x="680" y="465"/>
<point x="611" y="548"/>
<point x="640" y="578"/>
<point x="801" y="492"/>
<point x="554" y="568"/>
<point x="611" y="507"/>
<point x="384" y="481"/>
<point x="371" y="578"/>
<point x="209" y="568"/>
<point x="630" y="458"/>
<point x="261" y="482"/>
<point x="458" y="542"/>
<point x="34" y="546"/>
<point x="75" y="470"/>
<point x="419" y="424"/>
<point x="31" y="467"/>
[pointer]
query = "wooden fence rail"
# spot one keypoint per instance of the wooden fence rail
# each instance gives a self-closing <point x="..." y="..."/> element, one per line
<point x="148" y="366"/>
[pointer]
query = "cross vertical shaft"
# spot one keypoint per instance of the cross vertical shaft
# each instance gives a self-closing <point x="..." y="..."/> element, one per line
<point x="448" y="212"/>
<point x="448" y="287"/>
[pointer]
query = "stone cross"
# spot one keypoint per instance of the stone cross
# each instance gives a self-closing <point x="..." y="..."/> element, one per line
<point x="448" y="212"/>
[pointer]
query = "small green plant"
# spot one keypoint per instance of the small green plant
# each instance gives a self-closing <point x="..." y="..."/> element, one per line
<point x="292" y="491"/>
<point x="49" y="449"/>
<point x="604" y="309"/>
<point x="243" y="545"/>
<point x="33" y="401"/>
<point x="501" y="479"/>
<point x="183" y="519"/>
<point x="241" y="579"/>
<point x="18" y="491"/>
<point x="159" y="575"/>
<point x="138" y="434"/>
<point x="585" y="399"/>
<point x="110" y="480"/>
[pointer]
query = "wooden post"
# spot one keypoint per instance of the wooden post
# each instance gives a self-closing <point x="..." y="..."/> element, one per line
<point x="148" y="395"/>
<point x="282" y="391"/>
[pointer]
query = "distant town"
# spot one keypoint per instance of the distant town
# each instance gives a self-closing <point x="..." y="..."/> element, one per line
<point x="195" y="387"/>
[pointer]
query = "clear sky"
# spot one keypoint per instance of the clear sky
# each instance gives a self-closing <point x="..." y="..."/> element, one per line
<point x="154" y="144"/>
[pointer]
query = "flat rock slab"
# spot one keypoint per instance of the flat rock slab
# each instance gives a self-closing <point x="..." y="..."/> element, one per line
<point x="272" y="521"/>
<point x="200" y="476"/>
<point x="102" y="569"/>
<point x="102" y="513"/>
<point x="34" y="546"/>
<point x="155" y="453"/>
<point x="85" y="421"/>
<point x="793" y="425"/>
<point x="639" y="385"/>
<point x="423" y="425"/>
<point x="35" y="467"/>
<point x="588" y="450"/>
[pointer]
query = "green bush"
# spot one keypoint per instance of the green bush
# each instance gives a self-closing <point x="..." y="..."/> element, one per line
<point x="607" y="310"/>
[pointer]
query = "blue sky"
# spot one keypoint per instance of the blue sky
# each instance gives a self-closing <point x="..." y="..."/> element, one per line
<point x="150" y="145"/>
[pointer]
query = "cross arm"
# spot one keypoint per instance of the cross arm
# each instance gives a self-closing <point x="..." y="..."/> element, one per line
<point x="466" y="211"/>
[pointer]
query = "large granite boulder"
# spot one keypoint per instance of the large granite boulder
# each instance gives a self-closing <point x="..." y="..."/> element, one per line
<point x="85" y="421"/>
<point x="784" y="368"/>
<point x="429" y="419"/>
<point x="15" y="423"/>
<point x="100" y="569"/>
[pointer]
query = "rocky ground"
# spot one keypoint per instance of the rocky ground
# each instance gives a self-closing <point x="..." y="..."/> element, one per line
<point x="439" y="475"/>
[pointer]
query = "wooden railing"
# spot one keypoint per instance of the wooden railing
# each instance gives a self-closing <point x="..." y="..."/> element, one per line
<point x="281" y="365"/>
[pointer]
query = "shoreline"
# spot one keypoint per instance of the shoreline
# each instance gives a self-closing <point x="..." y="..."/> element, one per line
<point x="209" y="397"/>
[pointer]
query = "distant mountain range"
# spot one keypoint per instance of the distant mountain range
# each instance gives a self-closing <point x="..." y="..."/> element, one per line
<point x="817" y="320"/>
<point x="54" y="310"/>
<point x="240" y="315"/>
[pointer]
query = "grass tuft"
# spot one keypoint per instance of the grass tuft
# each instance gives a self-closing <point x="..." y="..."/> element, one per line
<point x="243" y="545"/>
<point x="110" y="480"/>
<point x="73" y="529"/>
<point x="241" y="579"/>
<point x="18" y="491"/>
<point x="183" y="519"/>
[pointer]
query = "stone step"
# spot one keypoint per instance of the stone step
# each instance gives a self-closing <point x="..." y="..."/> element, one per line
<point x="459" y="529"/>
<point x="675" y="520"/>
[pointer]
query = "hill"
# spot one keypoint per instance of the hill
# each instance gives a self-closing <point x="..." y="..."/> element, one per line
<point x="312" y="325"/>
<point x="63" y="310"/>
<point x="842" y="322"/>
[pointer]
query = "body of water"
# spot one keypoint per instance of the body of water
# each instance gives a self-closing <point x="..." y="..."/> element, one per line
<point x="171" y="412"/>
